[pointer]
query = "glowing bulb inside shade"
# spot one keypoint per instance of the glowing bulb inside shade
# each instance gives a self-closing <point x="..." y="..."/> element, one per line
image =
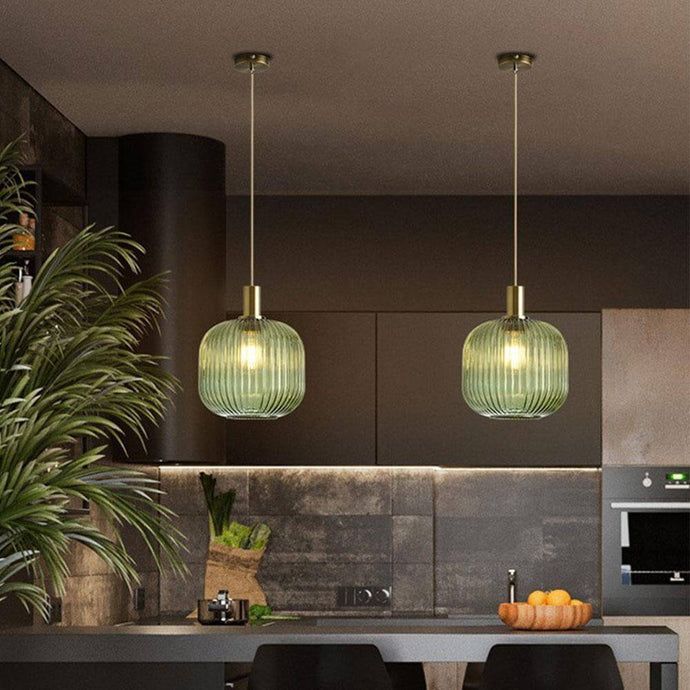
<point x="251" y="355"/>
<point x="514" y="351"/>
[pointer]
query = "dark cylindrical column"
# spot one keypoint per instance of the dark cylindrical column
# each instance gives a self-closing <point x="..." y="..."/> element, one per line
<point x="172" y="200"/>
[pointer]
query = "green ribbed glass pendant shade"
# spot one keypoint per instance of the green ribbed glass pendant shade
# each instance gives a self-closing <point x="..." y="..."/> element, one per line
<point x="515" y="368"/>
<point x="251" y="368"/>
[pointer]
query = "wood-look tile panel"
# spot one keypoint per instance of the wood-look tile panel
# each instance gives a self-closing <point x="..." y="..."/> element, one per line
<point x="646" y="386"/>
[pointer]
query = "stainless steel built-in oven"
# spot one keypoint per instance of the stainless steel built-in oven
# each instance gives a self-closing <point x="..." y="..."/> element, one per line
<point x="646" y="541"/>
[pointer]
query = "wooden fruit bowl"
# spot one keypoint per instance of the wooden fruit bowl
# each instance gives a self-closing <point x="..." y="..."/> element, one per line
<point x="523" y="616"/>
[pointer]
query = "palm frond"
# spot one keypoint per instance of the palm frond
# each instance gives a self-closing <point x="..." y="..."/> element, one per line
<point x="71" y="372"/>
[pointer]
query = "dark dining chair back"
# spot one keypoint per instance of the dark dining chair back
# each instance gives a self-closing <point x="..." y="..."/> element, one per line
<point x="318" y="667"/>
<point x="551" y="667"/>
<point x="407" y="676"/>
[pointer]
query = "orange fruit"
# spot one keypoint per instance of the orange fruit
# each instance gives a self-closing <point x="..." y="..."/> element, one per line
<point x="576" y="602"/>
<point x="537" y="598"/>
<point x="558" y="597"/>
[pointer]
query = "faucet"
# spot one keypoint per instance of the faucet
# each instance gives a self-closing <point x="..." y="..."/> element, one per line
<point x="512" y="584"/>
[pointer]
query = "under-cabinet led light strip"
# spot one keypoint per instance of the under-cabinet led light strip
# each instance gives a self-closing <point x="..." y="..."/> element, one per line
<point x="372" y="468"/>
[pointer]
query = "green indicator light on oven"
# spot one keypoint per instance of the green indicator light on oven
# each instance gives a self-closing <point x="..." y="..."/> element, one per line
<point x="677" y="477"/>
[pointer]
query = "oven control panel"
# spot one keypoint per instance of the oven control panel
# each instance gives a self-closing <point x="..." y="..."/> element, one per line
<point x="668" y="483"/>
<point x="672" y="480"/>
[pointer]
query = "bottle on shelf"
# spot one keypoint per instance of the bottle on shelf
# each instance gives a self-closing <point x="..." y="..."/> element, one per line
<point x="24" y="283"/>
<point x="27" y="281"/>
<point x="19" y="286"/>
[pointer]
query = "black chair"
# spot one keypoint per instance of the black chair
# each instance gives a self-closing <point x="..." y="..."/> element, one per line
<point x="551" y="667"/>
<point x="473" y="676"/>
<point x="407" y="676"/>
<point x="319" y="667"/>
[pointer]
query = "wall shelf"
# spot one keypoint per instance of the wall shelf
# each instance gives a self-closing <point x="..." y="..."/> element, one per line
<point x="34" y="174"/>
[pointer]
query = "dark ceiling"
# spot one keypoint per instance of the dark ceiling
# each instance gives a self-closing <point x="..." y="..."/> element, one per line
<point x="392" y="97"/>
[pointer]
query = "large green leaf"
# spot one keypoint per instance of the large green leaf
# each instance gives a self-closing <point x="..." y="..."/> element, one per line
<point x="72" y="376"/>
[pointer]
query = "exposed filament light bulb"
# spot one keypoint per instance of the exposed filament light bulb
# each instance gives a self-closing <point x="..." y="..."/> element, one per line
<point x="251" y="352"/>
<point x="514" y="351"/>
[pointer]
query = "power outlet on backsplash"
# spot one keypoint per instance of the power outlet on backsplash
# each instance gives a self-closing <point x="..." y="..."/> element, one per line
<point x="360" y="596"/>
<point x="139" y="599"/>
<point x="55" y="611"/>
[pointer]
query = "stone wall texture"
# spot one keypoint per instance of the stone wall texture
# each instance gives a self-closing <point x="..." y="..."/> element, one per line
<point x="443" y="539"/>
<point x="51" y="140"/>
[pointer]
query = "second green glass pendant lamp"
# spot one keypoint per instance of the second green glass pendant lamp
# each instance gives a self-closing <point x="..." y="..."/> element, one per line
<point x="251" y="367"/>
<point x="515" y="367"/>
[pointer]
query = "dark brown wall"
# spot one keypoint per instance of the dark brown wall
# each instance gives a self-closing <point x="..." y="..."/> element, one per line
<point x="172" y="200"/>
<point x="422" y="419"/>
<point x="431" y="256"/>
<point x="168" y="192"/>
<point x="429" y="253"/>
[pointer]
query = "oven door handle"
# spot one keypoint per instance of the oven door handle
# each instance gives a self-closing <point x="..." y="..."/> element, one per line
<point x="640" y="505"/>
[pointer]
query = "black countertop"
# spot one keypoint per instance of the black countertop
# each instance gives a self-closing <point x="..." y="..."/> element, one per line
<point x="444" y="640"/>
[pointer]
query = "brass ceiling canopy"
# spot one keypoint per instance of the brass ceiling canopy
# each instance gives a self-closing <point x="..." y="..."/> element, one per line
<point x="244" y="62"/>
<point x="515" y="60"/>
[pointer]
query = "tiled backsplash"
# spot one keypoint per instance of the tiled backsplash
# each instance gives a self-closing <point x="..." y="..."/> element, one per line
<point x="444" y="539"/>
<point x="544" y="523"/>
<point x="94" y="595"/>
<point x="330" y="527"/>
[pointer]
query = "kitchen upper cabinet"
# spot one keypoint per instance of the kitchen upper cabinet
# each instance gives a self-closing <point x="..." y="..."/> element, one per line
<point x="646" y="386"/>
<point x="422" y="418"/>
<point x="335" y="424"/>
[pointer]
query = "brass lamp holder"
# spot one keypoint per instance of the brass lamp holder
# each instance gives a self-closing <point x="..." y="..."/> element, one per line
<point x="515" y="301"/>
<point x="251" y="301"/>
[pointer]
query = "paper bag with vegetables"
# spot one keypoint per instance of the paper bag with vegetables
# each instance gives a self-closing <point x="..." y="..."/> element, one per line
<point x="235" y="550"/>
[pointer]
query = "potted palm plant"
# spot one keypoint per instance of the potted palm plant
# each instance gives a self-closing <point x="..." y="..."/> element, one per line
<point x="72" y="381"/>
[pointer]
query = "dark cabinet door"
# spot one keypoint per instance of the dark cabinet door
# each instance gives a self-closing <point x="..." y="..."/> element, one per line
<point x="335" y="424"/>
<point x="422" y="418"/>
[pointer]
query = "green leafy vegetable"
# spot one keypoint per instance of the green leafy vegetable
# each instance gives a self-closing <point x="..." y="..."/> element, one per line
<point x="219" y="504"/>
<point x="235" y="536"/>
<point x="259" y="536"/>
<point x="238" y="536"/>
<point x="259" y="611"/>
